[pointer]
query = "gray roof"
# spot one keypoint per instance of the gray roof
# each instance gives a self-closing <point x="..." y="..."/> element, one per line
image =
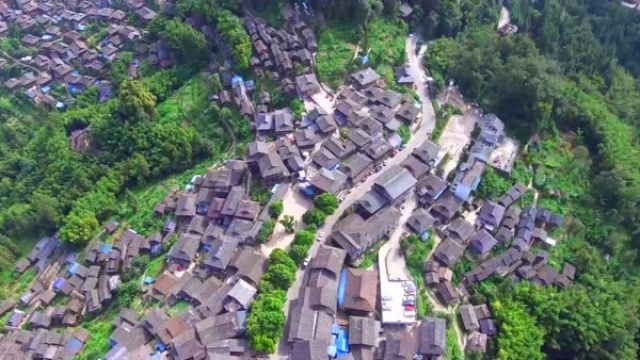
<point x="408" y="112"/>
<point x="433" y="336"/>
<point x="416" y="167"/>
<point x="326" y="123"/>
<point x="243" y="293"/>
<point x="186" y="205"/>
<point x="309" y="349"/>
<point x="469" y="318"/>
<point x="427" y="152"/>
<point x="329" y="181"/>
<point x="448" y="252"/>
<point x="359" y="137"/>
<point x="378" y="148"/>
<point x="283" y="120"/>
<point x="339" y="147"/>
<point x="308" y="84"/>
<point x="395" y="181"/>
<point x="271" y="165"/>
<point x="185" y="248"/>
<point x="362" y="331"/>
<point x="420" y="221"/>
<point x="221" y="252"/>
<point x="400" y="346"/>
<point x="366" y="77"/>
<point x="371" y="126"/>
<point x="249" y="264"/>
<point x="402" y="75"/>
<point x="328" y="258"/>
<point x="460" y="230"/>
<point x="324" y="158"/>
<point x="431" y="186"/>
<point x="372" y="201"/>
<point x="355" y="164"/>
<point x="306" y="137"/>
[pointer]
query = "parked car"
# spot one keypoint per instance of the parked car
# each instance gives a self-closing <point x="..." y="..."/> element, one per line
<point x="386" y="297"/>
<point x="306" y="262"/>
<point x="410" y="308"/>
<point x="407" y="302"/>
<point x="385" y="306"/>
<point x="320" y="236"/>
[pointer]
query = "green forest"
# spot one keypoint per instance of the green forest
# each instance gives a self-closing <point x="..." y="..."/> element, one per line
<point x="567" y="85"/>
<point x="157" y="125"/>
<point x="569" y="81"/>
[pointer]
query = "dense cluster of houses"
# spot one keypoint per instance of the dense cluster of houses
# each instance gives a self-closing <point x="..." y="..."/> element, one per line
<point x="54" y="36"/>
<point x="43" y="344"/>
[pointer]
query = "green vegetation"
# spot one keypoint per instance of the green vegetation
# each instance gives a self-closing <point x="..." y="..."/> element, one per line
<point x="275" y="209"/>
<point x="567" y="81"/>
<point x="386" y="39"/>
<point x="265" y="323"/>
<point x="443" y="114"/>
<point x="12" y="287"/>
<point x="327" y="203"/>
<point x="370" y="257"/>
<point x="266" y="231"/>
<point x="453" y="348"/>
<point x="301" y="244"/>
<point x="335" y="53"/>
<point x="156" y="266"/>
<point x="178" y="307"/>
<point x="260" y="193"/>
<point x="415" y="253"/>
<point x="405" y="133"/>
<point x="314" y="217"/>
<point x="289" y="223"/>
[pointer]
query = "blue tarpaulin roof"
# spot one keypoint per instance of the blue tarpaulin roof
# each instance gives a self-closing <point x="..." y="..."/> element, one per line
<point x="73" y="345"/>
<point x="59" y="282"/>
<point x="74" y="268"/>
<point x="342" y="287"/>
<point x="236" y="79"/>
<point x="342" y="342"/>
<point x="105" y="248"/>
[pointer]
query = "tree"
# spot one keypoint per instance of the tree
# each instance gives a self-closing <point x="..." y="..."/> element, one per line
<point x="265" y="231"/>
<point x="519" y="336"/>
<point x="289" y="223"/>
<point x="275" y="209"/>
<point x="304" y="237"/>
<point x="79" y="228"/>
<point x="280" y="276"/>
<point x="314" y="217"/>
<point x="298" y="253"/>
<point x="279" y="256"/>
<point x="326" y="202"/>
<point x="136" y="100"/>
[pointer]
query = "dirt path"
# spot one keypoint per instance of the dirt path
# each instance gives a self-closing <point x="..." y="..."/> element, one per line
<point x="18" y="61"/>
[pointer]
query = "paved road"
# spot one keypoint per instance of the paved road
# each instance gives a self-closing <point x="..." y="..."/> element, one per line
<point x="425" y="127"/>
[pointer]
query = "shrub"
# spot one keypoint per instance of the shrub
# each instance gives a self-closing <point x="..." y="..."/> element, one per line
<point x="275" y="209"/>
<point x="314" y="217"/>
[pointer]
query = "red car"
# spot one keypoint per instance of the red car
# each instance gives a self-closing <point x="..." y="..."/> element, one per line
<point x="410" y="308"/>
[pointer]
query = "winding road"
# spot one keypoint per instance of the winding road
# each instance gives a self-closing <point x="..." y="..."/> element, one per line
<point x="421" y="133"/>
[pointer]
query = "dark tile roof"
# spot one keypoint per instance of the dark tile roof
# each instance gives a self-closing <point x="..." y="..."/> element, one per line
<point x="432" y="341"/>
<point x="448" y="252"/>
<point x="482" y="242"/>
<point x="469" y="318"/>
<point x="361" y="291"/>
<point x="420" y="221"/>
<point x="460" y="230"/>
<point x="362" y="331"/>
<point x="328" y="258"/>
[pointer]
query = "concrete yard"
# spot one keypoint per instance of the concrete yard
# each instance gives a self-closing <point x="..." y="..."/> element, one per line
<point x="455" y="137"/>
<point x="504" y="155"/>
<point x="294" y="204"/>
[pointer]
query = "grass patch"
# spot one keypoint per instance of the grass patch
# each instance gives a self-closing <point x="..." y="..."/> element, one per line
<point x="178" y="307"/>
<point x="453" y="349"/>
<point x="336" y="46"/>
<point x="442" y="119"/>
<point x="12" y="287"/>
<point x="100" y="328"/>
<point x="386" y="39"/>
<point x="260" y="193"/>
<point x="156" y="266"/>
<point x="415" y="252"/>
<point x="405" y="133"/>
<point x="370" y="256"/>
<point x="562" y="173"/>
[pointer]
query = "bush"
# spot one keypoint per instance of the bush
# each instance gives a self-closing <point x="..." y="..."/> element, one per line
<point x="327" y="203"/>
<point x="265" y="231"/>
<point x="298" y="253"/>
<point x="304" y="237"/>
<point x="314" y="217"/>
<point x="275" y="209"/>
